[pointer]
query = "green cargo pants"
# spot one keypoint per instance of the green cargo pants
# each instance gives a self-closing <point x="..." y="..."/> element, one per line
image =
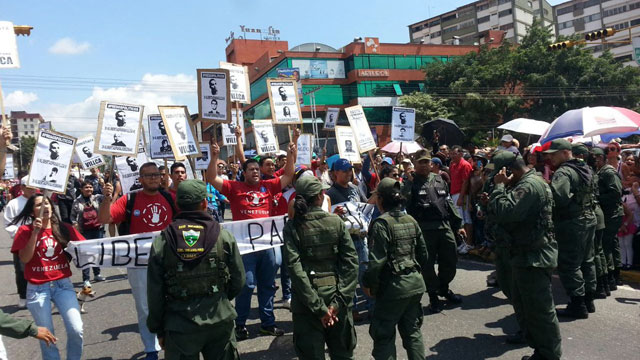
<point x="309" y="337"/>
<point x="441" y="246"/>
<point x="575" y="257"/>
<point x="599" y="259"/>
<point x="406" y="313"/>
<point x="610" y="243"/>
<point x="532" y="298"/>
<point x="215" y="343"/>
<point x="505" y="277"/>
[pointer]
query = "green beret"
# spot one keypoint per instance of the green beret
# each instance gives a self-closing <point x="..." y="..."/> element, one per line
<point x="558" y="144"/>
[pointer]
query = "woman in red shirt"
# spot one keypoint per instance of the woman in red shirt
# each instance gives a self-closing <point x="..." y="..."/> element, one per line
<point x="40" y="247"/>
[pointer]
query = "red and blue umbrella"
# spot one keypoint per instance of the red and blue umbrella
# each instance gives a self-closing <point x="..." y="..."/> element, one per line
<point x="592" y="121"/>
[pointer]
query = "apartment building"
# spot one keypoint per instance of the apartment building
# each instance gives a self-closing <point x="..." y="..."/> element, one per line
<point x="24" y="124"/>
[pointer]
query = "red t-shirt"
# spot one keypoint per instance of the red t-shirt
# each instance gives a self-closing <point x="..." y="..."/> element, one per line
<point x="149" y="213"/>
<point x="459" y="173"/>
<point x="49" y="262"/>
<point x="251" y="202"/>
<point x="15" y="191"/>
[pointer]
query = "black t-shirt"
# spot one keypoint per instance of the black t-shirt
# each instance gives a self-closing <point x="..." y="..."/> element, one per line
<point x="339" y="194"/>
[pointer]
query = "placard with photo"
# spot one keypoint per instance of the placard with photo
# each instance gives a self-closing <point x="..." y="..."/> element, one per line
<point x="160" y="147"/>
<point x="347" y="144"/>
<point x="331" y="118"/>
<point x="361" y="129"/>
<point x="84" y="153"/>
<point x="283" y="97"/>
<point x="51" y="161"/>
<point x="129" y="171"/>
<point x="213" y="99"/>
<point x="305" y="149"/>
<point x="403" y="122"/>
<point x="180" y="130"/>
<point x="265" y="137"/>
<point x="202" y="162"/>
<point x="118" y="128"/>
<point x="229" y="130"/>
<point x="238" y="82"/>
<point x="9" y="173"/>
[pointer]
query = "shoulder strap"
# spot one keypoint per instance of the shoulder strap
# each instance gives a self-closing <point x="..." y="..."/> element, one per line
<point x="169" y="199"/>
<point x="220" y="248"/>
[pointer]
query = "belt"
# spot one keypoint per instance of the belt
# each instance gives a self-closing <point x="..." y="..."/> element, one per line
<point x="324" y="281"/>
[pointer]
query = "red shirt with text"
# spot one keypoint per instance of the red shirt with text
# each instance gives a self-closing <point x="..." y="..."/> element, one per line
<point x="149" y="213"/>
<point x="251" y="202"/>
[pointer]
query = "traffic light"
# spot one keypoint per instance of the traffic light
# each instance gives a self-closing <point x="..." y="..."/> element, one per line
<point x="22" y="30"/>
<point x="600" y="34"/>
<point x="561" y="45"/>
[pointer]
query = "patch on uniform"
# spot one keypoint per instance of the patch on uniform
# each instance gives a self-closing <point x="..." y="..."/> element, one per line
<point x="191" y="237"/>
<point x="519" y="193"/>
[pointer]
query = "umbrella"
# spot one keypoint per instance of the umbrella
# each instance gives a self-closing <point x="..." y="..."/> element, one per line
<point x="591" y="121"/>
<point x="525" y="126"/>
<point x="331" y="159"/>
<point x="408" y="147"/>
<point x="449" y="133"/>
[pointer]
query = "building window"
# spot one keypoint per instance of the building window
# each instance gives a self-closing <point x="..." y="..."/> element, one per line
<point x="466" y="24"/>
<point x="435" y="34"/>
<point x="464" y="12"/>
<point x="418" y="28"/>
<point x="506" y="27"/>
<point x="530" y="4"/>
<point x="434" y="23"/>
<point x="621" y="26"/>
<point x="624" y="58"/>
<point x="615" y="11"/>
<point x="484" y="19"/>
<point x="482" y="7"/>
<point x="634" y="22"/>
<point x="451" y="29"/>
<point x="448" y="17"/>
<point x="634" y="6"/>
<point x="505" y="12"/>
<point x="566" y="24"/>
<point x="564" y="10"/>
<point x="500" y="2"/>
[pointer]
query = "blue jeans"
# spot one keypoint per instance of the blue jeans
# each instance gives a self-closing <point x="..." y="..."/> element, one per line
<point x="363" y="259"/>
<point x="260" y="268"/>
<point x="91" y="234"/>
<point x="138" y="281"/>
<point x="61" y="292"/>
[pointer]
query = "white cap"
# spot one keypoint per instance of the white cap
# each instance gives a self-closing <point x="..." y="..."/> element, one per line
<point x="24" y="180"/>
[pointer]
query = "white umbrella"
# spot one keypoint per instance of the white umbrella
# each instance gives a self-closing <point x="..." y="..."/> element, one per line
<point x="526" y="126"/>
<point x="408" y="147"/>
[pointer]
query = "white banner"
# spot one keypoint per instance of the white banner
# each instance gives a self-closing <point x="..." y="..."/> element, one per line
<point x="239" y="82"/>
<point x="305" y="149"/>
<point x="361" y="129"/>
<point x="213" y="88"/>
<point x="331" y="118"/>
<point x="8" y="46"/>
<point x="202" y="163"/>
<point x="403" y="122"/>
<point x="118" y="128"/>
<point x="229" y="129"/>
<point x="133" y="250"/>
<point x="51" y="161"/>
<point x="358" y="216"/>
<point x="8" y="168"/>
<point x="84" y="152"/>
<point x="265" y="137"/>
<point x="347" y="145"/>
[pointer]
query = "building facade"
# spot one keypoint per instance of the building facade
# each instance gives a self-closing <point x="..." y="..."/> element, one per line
<point x="469" y="24"/>
<point x="24" y="124"/>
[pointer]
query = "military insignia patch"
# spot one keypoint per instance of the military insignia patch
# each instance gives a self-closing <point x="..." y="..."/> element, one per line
<point x="191" y="237"/>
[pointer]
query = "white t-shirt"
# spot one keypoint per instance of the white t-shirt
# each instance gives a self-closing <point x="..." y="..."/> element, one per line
<point x="14" y="207"/>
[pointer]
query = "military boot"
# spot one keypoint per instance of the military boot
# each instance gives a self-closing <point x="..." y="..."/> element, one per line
<point x="612" y="282"/>
<point x="616" y="276"/>
<point x="600" y="293"/>
<point x="435" y="305"/>
<point x="576" y="309"/>
<point x="588" y="302"/>
<point x="605" y="285"/>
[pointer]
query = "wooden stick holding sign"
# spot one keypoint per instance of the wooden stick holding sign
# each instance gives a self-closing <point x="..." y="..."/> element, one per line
<point x="372" y="159"/>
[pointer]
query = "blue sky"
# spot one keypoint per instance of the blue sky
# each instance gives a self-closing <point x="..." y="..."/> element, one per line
<point x="147" y="52"/>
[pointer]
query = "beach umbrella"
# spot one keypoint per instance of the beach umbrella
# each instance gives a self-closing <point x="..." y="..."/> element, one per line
<point x="591" y="121"/>
<point x="525" y="126"/>
<point x="407" y="147"/>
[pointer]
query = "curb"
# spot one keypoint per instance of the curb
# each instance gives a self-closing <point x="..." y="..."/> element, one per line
<point x="630" y="276"/>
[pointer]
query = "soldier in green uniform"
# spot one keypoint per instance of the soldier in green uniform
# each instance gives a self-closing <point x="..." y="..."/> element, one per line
<point x="194" y="272"/>
<point x="610" y="199"/>
<point x="575" y="224"/>
<point x="21" y="328"/>
<point x="525" y="211"/>
<point x="323" y="265"/>
<point x="397" y="253"/>
<point x="428" y="201"/>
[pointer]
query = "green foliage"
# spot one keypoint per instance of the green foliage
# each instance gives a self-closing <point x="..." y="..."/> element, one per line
<point x="427" y="107"/>
<point x="27" y="144"/>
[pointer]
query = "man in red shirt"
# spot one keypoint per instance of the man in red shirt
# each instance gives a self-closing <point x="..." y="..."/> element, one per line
<point x="460" y="171"/>
<point x="253" y="199"/>
<point x="178" y="174"/>
<point x="152" y="209"/>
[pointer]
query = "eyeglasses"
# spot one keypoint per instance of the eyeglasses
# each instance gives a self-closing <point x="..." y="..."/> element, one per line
<point x="613" y="148"/>
<point x="395" y="175"/>
<point x="151" y="176"/>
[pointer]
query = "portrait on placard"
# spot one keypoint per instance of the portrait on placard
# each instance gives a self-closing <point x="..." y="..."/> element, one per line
<point x="84" y="153"/>
<point x="331" y="118"/>
<point x="229" y="130"/>
<point x="129" y="171"/>
<point x="202" y="162"/>
<point x="361" y="129"/>
<point x="265" y="137"/>
<point x="403" y="121"/>
<point x="305" y="149"/>
<point x="283" y="96"/>
<point x="118" y="128"/>
<point x="51" y="161"/>
<point x="177" y="123"/>
<point x="213" y="88"/>
<point x="159" y="145"/>
<point x="238" y="82"/>
<point x="347" y="145"/>
<point x="9" y="173"/>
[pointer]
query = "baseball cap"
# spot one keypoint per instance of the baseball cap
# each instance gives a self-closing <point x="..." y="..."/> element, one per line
<point x="341" y="165"/>
<point x="386" y="186"/>
<point x="507" y="138"/>
<point x="558" y="144"/>
<point x="436" y="161"/>
<point x="24" y="180"/>
<point x="191" y="192"/>
<point x="422" y="155"/>
<point x="579" y="149"/>
<point x="308" y="186"/>
<point x="388" y="160"/>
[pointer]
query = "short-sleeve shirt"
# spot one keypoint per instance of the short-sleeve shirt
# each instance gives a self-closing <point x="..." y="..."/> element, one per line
<point x="49" y="262"/>
<point x="149" y="213"/>
<point x="251" y="202"/>
<point x="460" y="173"/>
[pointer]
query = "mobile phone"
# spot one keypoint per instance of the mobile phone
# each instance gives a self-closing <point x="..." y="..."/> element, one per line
<point x="479" y="163"/>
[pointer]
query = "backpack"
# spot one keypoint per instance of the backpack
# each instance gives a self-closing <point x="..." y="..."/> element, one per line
<point x="125" y="226"/>
<point x="89" y="217"/>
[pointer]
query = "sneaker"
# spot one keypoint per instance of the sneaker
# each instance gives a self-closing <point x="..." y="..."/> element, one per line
<point x="464" y="249"/>
<point x="242" y="333"/>
<point x="86" y="283"/>
<point x="357" y="317"/>
<point x="99" y="278"/>
<point x="22" y="303"/>
<point x="452" y="297"/>
<point x="271" y="330"/>
<point x="286" y="303"/>
<point x="153" y="355"/>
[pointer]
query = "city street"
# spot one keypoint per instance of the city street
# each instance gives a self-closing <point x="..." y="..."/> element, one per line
<point x="475" y="330"/>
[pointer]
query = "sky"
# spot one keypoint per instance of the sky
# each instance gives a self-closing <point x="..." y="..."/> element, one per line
<point x="147" y="52"/>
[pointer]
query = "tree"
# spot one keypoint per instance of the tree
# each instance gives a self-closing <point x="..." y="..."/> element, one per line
<point x="27" y="144"/>
<point x="427" y="107"/>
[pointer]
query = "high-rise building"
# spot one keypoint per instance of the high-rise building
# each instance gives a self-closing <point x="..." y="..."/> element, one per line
<point x="24" y="124"/>
<point x="469" y="24"/>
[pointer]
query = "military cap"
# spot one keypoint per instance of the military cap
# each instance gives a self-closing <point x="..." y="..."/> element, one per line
<point x="422" y="155"/>
<point x="579" y="149"/>
<point x="308" y="186"/>
<point x="386" y="186"/>
<point x="191" y="192"/>
<point x="597" y="151"/>
<point x="558" y="144"/>
<point x="502" y="159"/>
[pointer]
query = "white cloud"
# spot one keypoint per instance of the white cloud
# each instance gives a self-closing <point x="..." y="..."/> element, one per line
<point x="68" y="46"/>
<point x="18" y="100"/>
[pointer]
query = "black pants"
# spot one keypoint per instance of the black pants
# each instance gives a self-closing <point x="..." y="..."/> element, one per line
<point x="21" y="283"/>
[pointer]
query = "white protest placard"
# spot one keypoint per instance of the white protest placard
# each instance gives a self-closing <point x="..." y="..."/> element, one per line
<point x="331" y="118"/>
<point x="9" y="173"/>
<point x="133" y="250"/>
<point x="283" y="97"/>
<point x="239" y="82"/>
<point x="160" y="147"/>
<point x="229" y="130"/>
<point x="265" y="137"/>
<point x="403" y="122"/>
<point x="360" y="126"/>
<point x="84" y="153"/>
<point x="347" y="145"/>
<point x="213" y="91"/>
<point x="305" y="149"/>
<point x="118" y="128"/>
<point x="177" y="123"/>
<point x="358" y="215"/>
<point x="51" y="161"/>
<point x="8" y="46"/>
<point x="202" y="162"/>
<point x="129" y="170"/>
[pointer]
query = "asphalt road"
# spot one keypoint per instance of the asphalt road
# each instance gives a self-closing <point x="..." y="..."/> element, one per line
<point x="474" y="330"/>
